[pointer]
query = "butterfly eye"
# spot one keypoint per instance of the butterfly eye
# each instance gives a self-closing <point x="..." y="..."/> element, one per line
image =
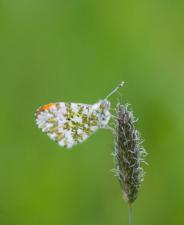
<point x="103" y="117"/>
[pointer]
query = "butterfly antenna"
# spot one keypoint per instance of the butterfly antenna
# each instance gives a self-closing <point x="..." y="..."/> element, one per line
<point x="115" y="89"/>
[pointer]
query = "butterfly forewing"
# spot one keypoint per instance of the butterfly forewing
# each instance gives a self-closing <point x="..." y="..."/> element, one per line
<point x="67" y="123"/>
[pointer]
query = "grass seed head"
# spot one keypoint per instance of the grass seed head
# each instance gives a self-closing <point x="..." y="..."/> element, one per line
<point x="128" y="154"/>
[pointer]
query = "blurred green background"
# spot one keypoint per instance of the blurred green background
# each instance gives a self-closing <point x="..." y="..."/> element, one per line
<point x="78" y="50"/>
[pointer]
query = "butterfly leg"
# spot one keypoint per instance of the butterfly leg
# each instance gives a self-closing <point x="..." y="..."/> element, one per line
<point x="113" y="116"/>
<point x="109" y="128"/>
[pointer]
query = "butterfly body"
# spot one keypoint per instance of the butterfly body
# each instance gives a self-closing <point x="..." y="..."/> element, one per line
<point x="71" y="123"/>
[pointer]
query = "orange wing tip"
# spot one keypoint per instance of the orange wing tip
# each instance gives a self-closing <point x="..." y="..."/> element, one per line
<point x="43" y="108"/>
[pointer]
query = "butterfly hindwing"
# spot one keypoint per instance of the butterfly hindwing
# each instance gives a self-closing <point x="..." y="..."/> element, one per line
<point x="67" y="123"/>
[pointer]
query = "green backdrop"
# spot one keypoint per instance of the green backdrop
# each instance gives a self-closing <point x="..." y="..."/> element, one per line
<point x="78" y="50"/>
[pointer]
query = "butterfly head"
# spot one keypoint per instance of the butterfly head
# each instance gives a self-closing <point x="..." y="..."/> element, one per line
<point x="103" y="113"/>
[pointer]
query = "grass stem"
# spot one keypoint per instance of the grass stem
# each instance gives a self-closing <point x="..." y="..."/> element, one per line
<point x="130" y="215"/>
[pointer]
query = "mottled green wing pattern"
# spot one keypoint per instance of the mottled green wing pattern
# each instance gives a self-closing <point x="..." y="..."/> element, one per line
<point x="67" y="123"/>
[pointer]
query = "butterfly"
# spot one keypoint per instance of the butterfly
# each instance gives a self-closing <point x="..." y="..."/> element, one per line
<point x="69" y="124"/>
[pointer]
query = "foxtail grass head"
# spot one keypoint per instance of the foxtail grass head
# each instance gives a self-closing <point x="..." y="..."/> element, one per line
<point x="128" y="154"/>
